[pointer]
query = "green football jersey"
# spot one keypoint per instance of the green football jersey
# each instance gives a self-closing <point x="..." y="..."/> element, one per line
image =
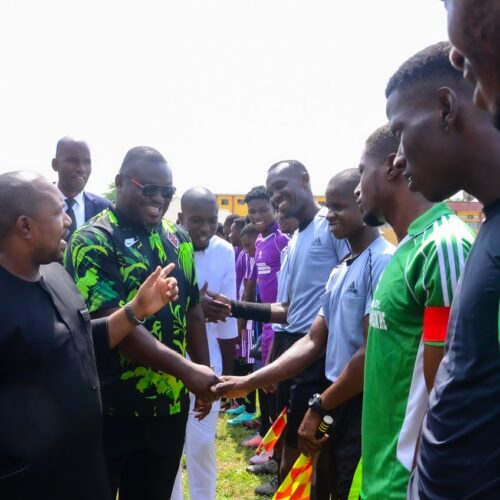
<point x="418" y="283"/>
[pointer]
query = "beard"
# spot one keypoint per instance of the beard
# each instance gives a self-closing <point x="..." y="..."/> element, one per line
<point x="372" y="219"/>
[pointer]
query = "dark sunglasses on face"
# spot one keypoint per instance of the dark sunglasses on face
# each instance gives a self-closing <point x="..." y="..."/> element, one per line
<point x="150" y="190"/>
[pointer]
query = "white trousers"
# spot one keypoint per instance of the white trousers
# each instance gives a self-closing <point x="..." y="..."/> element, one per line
<point x="199" y="449"/>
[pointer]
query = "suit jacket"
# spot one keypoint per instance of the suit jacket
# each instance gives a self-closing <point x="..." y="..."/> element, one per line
<point x="94" y="204"/>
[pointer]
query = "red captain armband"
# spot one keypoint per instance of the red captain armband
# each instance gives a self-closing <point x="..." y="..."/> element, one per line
<point x="435" y="324"/>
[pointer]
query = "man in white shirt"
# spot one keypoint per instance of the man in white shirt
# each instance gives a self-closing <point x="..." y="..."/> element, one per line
<point x="73" y="165"/>
<point x="214" y="259"/>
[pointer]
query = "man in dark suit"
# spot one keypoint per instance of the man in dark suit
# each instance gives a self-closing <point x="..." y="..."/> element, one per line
<point x="73" y="166"/>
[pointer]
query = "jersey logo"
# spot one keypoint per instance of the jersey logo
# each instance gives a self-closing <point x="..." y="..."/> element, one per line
<point x="352" y="289"/>
<point x="173" y="239"/>
<point x="316" y="242"/>
<point x="377" y="317"/>
<point x="131" y="241"/>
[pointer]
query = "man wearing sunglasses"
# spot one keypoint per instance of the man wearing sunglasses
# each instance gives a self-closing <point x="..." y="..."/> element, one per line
<point x="145" y="411"/>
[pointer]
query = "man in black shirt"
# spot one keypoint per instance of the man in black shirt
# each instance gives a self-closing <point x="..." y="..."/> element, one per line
<point x="447" y="144"/>
<point x="50" y="407"/>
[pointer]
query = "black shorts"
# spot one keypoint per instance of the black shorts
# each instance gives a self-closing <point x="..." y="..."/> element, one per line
<point x="311" y="381"/>
<point x="295" y="393"/>
<point x="342" y="452"/>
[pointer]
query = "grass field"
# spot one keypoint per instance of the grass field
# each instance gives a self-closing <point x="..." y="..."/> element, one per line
<point x="233" y="481"/>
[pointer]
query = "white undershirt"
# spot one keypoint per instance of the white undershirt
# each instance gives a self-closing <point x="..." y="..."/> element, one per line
<point x="78" y="208"/>
<point x="215" y="265"/>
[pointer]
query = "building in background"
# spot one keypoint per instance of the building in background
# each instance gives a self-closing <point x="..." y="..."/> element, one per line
<point x="469" y="211"/>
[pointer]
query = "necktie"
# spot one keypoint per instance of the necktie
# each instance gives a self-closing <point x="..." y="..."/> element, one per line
<point x="70" y="202"/>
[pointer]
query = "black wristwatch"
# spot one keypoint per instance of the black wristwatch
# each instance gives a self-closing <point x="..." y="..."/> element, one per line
<point x="131" y="316"/>
<point x="315" y="404"/>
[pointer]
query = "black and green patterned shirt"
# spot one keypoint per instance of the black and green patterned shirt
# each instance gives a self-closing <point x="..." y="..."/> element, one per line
<point x="109" y="258"/>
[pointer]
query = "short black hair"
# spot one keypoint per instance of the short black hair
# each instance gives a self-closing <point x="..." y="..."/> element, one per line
<point x="349" y="177"/>
<point x="141" y="153"/>
<point x="257" y="193"/>
<point x="249" y="230"/>
<point x="21" y="193"/>
<point x="430" y="64"/>
<point x="382" y="142"/>
<point x="240" y="222"/>
<point x="231" y="218"/>
<point x="295" y="165"/>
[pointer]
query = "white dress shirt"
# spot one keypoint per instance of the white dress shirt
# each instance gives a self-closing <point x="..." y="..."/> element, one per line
<point x="78" y="208"/>
<point x="215" y="266"/>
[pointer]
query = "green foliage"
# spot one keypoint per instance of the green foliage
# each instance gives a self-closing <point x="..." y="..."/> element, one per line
<point x="110" y="194"/>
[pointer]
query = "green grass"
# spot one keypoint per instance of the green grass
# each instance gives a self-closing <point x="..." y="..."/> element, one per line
<point x="233" y="481"/>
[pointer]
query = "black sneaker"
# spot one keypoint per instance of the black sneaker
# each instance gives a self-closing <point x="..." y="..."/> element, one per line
<point x="269" y="467"/>
<point x="268" y="489"/>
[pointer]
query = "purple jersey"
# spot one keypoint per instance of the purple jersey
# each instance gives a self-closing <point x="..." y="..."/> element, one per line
<point x="267" y="261"/>
<point x="245" y="270"/>
<point x="240" y="272"/>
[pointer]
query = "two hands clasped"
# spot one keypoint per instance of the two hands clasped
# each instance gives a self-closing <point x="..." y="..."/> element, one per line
<point x="158" y="290"/>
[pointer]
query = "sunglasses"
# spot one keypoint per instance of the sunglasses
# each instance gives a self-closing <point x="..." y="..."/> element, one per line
<point x="150" y="190"/>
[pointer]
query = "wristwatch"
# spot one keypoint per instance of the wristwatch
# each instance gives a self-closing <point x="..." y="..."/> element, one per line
<point x="131" y="316"/>
<point x="315" y="404"/>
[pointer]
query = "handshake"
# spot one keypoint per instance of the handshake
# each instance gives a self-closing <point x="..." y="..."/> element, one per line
<point x="206" y="386"/>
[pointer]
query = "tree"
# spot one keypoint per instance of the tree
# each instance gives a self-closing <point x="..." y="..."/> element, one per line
<point x="110" y="194"/>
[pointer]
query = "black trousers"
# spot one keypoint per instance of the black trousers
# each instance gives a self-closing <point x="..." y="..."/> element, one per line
<point x="143" y="454"/>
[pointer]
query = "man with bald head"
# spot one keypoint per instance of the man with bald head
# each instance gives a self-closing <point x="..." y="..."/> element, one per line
<point x="215" y="266"/>
<point x="145" y="411"/>
<point x="50" y="406"/>
<point x="73" y="165"/>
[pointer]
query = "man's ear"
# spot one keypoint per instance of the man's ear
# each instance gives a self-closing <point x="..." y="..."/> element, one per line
<point x="119" y="182"/>
<point x="305" y="178"/>
<point x="448" y="107"/>
<point x="393" y="169"/>
<point x="24" y="226"/>
<point x="180" y="218"/>
<point x="54" y="165"/>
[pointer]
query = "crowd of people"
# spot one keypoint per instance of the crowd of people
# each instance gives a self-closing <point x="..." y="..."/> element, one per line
<point x="122" y="330"/>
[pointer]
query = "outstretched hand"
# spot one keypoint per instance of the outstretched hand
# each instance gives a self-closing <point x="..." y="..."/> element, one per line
<point x="199" y="380"/>
<point x="156" y="291"/>
<point x="216" y="307"/>
<point x="232" y="387"/>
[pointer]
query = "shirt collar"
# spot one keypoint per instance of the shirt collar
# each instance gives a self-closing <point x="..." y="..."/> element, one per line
<point x="78" y="198"/>
<point x="420" y="224"/>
